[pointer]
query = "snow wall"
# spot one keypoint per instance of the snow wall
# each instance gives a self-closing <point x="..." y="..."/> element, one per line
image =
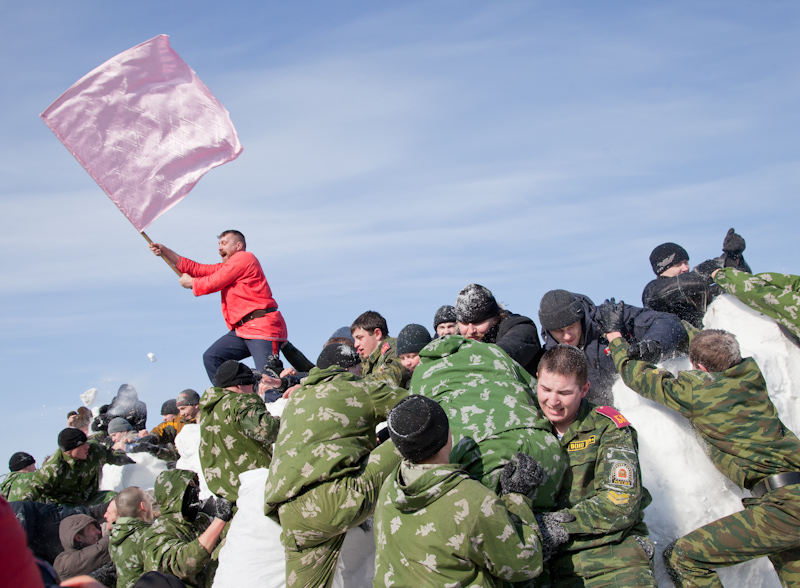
<point x="687" y="490"/>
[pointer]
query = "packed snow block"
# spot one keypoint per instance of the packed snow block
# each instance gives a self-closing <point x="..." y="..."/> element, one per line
<point x="688" y="491"/>
<point x="142" y="474"/>
<point x="187" y="443"/>
<point x="252" y="556"/>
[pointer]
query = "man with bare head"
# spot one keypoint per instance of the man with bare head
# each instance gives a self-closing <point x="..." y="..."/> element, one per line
<point x="135" y="513"/>
<point x="599" y="521"/>
<point x="256" y="326"/>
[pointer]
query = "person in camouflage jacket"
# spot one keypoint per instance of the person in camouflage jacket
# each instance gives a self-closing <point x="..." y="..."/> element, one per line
<point x="72" y="474"/>
<point x="127" y="535"/>
<point x="492" y="411"/>
<point x="181" y="539"/>
<point x="378" y="351"/>
<point x="326" y="472"/>
<point x="725" y="398"/>
<point x="436" y="525"/>
<point x="773" y="294"/>
<point x="236" y="430"/>
<point x="21" y="467"/>
<point x="601" y="504"/>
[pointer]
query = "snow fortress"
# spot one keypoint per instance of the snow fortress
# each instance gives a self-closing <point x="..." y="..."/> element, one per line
<point x="687" y="490"/>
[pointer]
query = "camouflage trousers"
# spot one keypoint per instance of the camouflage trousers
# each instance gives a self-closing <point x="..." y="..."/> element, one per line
<point x="621" y="565"/>
<point x="768" y="526"/>
<point x="314" y="524"/>
<point x="484" y="461"/>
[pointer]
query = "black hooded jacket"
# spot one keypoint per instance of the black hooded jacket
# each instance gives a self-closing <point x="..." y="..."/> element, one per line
<point x="517" y="336"/>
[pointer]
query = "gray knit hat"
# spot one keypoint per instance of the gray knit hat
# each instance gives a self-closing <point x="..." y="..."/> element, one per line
<point x="559" y="309"/>
<point x="187" y="397"/>
<point x="445" y="314"/>
<point x="419" y="427"/>
<point x="119" y="425"/>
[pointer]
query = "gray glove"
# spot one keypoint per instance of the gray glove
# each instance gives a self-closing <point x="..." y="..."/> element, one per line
<point x="647" y="350"/>
<point x="521" y="477"/>
<point x="611" y="316"/>
<point x="553" y="533"/>
<point x="223" y="509"/>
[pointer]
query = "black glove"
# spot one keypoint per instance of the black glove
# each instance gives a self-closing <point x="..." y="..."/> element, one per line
<point x="734" y="243"/>
<point x="521" y="477"/>
<point x="647" y="350"/>
<point x="611" y="316"/>
<point x="145" y="447"/>
<point x="707" y="267"/>
<point x="106" y="574"/>
<point x="553" y="533"/>
<point x="223" y="509"/>
<point x="209" y="507"/>
<point x="274" y="365"/>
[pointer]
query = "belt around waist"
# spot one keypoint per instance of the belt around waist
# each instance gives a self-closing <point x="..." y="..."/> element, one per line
<point x="775" y="482"/>
<point x="254" y="315"/>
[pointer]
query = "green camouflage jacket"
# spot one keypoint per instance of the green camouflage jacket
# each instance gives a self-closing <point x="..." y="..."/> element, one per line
<point x="731" y="410"/>
<point x="73" y="482"/>
<point x="170" y="544"/>
<point x="126" y="548"/>
<point x="491" y="406"/>
<point x="603" y="485"/>
<point x="776" y="295"/>
<point x="15" y="485"/>
<point x="447" y="529"/>
<point x="236" y="435"/>
<point x="383" y="365"/>
<point x="327" y="430"/>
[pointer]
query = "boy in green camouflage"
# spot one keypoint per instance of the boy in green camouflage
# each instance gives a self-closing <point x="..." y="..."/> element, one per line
<point x="71" y="476"/>
<point x="134" y="515"/>
<point x="181" y="539"/>
<point x="600" y="516"/>
<point x="725" y="398"/>
<point x="21" y="468"/>
<point x="437" y="526"/>
<point x="378" y="351"/>
<point x="326" y="472"/>
<point x="236" y="430"/>
<point x="488" y="398"/>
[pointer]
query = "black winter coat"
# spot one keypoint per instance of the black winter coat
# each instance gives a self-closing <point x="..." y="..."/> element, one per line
<point x="640" y="325"/>
<point x="517" y="335"/>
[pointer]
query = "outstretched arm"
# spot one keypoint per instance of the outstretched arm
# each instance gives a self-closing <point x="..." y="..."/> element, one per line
<point x="164" y="251"/>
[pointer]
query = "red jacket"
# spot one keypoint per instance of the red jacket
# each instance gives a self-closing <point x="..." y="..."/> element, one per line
<point x="244" y="288"/>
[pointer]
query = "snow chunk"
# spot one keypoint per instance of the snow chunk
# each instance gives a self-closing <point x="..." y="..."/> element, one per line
<point x="151" y="357"/>
<point x="88" y="397"/>
<point x="142" y="474"/>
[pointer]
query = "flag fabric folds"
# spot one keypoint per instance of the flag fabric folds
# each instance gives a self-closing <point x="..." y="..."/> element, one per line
<point x="145" y="128"/>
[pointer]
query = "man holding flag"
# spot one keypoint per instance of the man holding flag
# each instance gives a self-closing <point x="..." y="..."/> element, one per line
<point x="256" y="326"/>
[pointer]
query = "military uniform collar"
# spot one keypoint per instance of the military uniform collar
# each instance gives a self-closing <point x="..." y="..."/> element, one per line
<point x="580" y="424"/>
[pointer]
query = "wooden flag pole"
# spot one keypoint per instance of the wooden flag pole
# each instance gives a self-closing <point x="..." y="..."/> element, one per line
<point x="167" y="261"/>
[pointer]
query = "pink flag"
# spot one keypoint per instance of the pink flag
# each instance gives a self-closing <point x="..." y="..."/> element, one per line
<point x="145" y="128"/>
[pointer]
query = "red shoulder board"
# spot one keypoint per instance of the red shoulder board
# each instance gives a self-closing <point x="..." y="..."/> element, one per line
<point x="386" y="347"/>
<point x="614" y="415"/>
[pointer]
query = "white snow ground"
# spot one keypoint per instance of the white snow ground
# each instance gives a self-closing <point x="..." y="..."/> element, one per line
<point x="687" y="490"/>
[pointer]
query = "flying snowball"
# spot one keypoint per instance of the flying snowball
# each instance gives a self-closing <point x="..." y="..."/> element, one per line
<point x="88" y="397"/>
<point x="151" y="357"/>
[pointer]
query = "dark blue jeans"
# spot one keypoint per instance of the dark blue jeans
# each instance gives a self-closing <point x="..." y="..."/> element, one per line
<point x="231" y="346"/>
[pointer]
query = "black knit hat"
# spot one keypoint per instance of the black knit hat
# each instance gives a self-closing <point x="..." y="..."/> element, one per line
<point x="559" y="309"/>
<point x="338" y="354"/>
<point x="665" y="256"/>
<point x="412" y="338"/>
<point x="233" y="373"/>
<point x="445" y="314"/>
<point x="70" y="438"/>
<point x="188" y="398"/>
<point x="169" y="407"/>
<point x="20" y="460"/>
<point x="475" y="304"/>
<point x="419" y="427"/>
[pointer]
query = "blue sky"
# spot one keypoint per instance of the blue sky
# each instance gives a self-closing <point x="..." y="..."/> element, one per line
<point x="393" y="153"/>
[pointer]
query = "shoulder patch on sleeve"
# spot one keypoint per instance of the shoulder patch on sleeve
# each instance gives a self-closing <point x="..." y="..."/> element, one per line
<point x="613" y="414"/>
<point x="386" y="347"/>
